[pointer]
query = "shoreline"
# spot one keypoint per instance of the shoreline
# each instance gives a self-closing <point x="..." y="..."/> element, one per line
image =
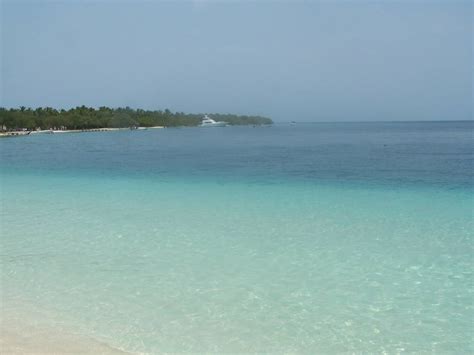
<point x="21" y="334"/>
<point x="30" y="339"/>
<point x="50" y="131"/>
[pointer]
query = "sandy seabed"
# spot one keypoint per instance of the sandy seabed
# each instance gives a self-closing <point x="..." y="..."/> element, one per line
<point x="25" y="337"/>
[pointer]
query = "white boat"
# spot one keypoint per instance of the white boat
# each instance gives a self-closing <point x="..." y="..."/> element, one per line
<point x="209" y="122"/>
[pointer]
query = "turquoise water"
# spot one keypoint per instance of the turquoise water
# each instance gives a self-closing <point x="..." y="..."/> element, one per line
<point x="289" y="239"/>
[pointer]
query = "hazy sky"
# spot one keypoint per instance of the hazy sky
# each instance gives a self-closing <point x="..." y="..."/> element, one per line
<point x="312" y="60"/>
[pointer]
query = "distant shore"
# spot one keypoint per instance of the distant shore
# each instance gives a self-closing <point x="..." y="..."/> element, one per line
<point x="90" y="118"/>
<point x="52" y="131"/>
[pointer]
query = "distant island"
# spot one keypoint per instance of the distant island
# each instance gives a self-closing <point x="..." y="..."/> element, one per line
<point x="89" y="118"/>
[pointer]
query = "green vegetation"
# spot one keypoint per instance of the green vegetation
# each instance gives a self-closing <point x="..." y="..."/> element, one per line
<point x="89" y="118"/>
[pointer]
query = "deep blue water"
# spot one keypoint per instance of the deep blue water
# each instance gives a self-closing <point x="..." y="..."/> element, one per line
<point x="433" y="153"/>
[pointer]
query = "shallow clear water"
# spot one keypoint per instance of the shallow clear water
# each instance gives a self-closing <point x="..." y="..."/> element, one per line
<point x="306" y="238"/>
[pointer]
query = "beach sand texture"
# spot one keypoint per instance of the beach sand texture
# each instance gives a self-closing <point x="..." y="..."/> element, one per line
<point x="18" y="337"/>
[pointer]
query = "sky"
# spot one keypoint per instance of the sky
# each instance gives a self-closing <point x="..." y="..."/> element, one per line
<point x="289" y="60"/>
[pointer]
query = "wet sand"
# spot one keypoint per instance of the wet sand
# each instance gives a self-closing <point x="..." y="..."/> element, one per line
<point x="21" y="337"/>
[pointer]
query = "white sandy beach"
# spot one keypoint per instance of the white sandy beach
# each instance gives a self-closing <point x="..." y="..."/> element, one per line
<point x="40" y="341"/>
<point x="49" y="131"/>
<point x="21" y="336"/>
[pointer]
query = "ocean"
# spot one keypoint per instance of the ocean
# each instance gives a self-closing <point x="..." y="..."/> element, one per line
<point x="293" y="238"/>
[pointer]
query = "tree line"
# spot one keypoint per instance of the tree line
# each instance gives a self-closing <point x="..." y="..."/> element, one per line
<point x="83" y="117"/>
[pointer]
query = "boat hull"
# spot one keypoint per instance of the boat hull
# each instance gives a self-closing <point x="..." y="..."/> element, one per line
<point x="217" y="124"/>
